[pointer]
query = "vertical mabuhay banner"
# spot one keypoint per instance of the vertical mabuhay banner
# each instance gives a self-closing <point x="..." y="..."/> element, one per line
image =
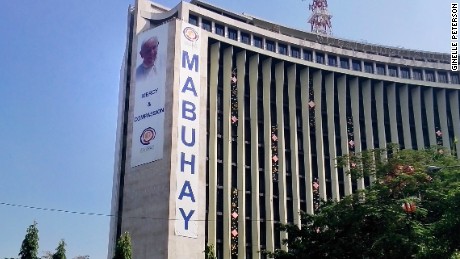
<point x="149" y="96"/>
<point x="188" y="129"/>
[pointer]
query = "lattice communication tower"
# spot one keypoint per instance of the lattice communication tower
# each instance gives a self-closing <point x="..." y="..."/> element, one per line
<point x="320" y="18"/>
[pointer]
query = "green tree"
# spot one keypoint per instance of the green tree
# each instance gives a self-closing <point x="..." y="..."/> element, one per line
<point x="60" y="250"/>
<point x="409" y="211"/>
<point x="209" y="252"/>
<point x="123" y="249"/>
<point x="47" y="255"/>
<point x="29" y="247"/>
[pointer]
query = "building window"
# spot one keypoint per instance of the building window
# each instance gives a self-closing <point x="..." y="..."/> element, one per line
<point x="454" y="79"/>
<point x="356" y="64"/>
<point x="393" y="71"/>
<point x="220" y="30"/>
<point x="245" y="38"/>
<point x="417" y="74"/>
<point x="442" y="78"/>
<point x="380" y="69"/>
<point x="319" y="58"/>
<point x="258" y="42"/>
<point x="295" y="52"/>
<point x="405" y="73"/>
<point x="192" y="19"/>
<point x="206" y="25"/>
<point x="232" y="34"/>
<point x="307" y="55"/>
<point x="282" y="49"/>
<point x="368" y="67"/>
<point x="270" y="45"/>
<point x="344" y="63"/>
<point x="429" y="76"/>
<point x="332" y="60"/>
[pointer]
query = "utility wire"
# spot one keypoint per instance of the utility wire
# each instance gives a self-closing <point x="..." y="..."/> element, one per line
<point x="56" y="210"/>
<point x="105" y="215"/>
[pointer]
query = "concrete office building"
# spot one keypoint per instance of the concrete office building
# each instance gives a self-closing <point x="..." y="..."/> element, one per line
<point x="240" y="123"/>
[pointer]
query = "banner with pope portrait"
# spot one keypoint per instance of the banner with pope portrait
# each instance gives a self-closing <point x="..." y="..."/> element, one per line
<point x="149" y="96"/>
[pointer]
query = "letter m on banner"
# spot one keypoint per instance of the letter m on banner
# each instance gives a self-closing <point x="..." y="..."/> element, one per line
<point x="190" y="64"/>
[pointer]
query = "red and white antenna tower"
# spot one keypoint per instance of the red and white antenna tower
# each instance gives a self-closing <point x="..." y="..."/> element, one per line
<point x="320" y="18"/>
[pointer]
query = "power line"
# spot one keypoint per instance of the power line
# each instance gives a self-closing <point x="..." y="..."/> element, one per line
<point x="56" y="210"/>
<point x="104" y="214"/>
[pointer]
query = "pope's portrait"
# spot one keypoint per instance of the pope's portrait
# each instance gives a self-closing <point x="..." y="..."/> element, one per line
<point x="148" y="52"/>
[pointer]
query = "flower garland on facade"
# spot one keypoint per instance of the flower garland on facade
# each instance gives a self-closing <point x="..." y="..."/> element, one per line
<point x="316" y="197"/>
<point x="234" y="98"/>
<point x="351" y="140"/>
<point x="234" y="222"/>
<point x="311" y="106"/>
<point x="275" y="158"/>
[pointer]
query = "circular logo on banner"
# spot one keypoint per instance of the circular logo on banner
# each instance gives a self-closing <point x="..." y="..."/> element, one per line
<point x="190" y="34"/>
<point x="147" y="135"/>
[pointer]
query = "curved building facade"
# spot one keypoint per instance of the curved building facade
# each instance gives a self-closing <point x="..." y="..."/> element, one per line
<point x="245" y="119"/>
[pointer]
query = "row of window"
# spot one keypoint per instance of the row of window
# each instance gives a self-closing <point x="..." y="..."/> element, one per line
<point x="342" y="62"/>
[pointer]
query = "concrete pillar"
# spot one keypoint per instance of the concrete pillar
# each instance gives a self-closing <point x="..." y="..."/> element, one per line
<point x="279" y="80"/>
<point x="342" y="94"/>
<point x="355" y="106"/>
<point x="255" y="224"/>
<point x="367" y="105"/>
<point x="330" y="89"/>
<point x="292" y="75"/>
<point x="304" y="84"/>
<point x="212" y="202"/>
<point x="266" y="72"/>
<point x="454" y="104"/>
<point x="429" y="113"/>
<point x="317" y="82"/>
<point x="379" y="105"/>
<point x="241" y="169"/>
<point x="442" y="112"/>
<point x="417" y="109"/>
<point x="227" y="150"/>
<point x="404" y="104"/>
<point x="391" y="93"/>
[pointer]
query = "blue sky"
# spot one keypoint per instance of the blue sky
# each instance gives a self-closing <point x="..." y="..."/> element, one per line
<point x="59" y="72"/>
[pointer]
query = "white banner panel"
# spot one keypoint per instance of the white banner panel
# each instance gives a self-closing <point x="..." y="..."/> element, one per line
<point x="188" y="132"/>
<point x="149" y="99"/>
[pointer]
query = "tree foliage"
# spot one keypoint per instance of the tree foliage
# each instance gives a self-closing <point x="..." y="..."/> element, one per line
<point x="407" y="212"/>
<point x="209" y="252"/>
<point x="47" y="255"/>
<point x="60" y="251"/>
<point x="29" y="247"/>
<point x="123" y="248"/>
